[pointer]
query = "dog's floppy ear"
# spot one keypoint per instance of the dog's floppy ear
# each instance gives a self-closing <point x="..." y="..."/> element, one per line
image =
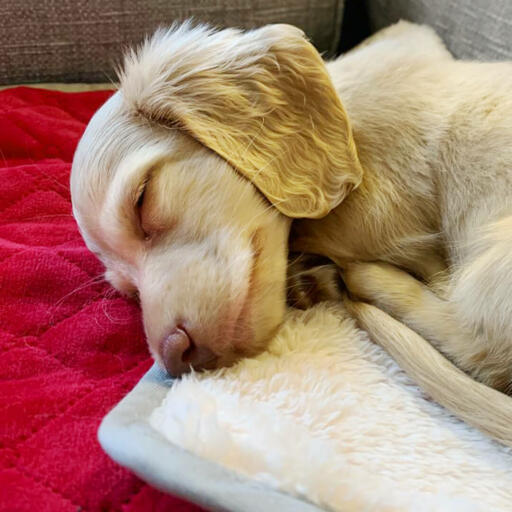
<point x="262" y="100"/>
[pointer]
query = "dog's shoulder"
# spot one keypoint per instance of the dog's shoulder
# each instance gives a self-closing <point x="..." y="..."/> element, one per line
<point x="403" y="39"/>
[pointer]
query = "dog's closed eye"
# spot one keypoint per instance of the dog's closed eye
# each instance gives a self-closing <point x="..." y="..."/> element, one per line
<point x="152" y="216"/>
<point x="139" y="205"/>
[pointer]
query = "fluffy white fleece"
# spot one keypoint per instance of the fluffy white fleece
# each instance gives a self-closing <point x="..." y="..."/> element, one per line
<point x="327" y="415"/>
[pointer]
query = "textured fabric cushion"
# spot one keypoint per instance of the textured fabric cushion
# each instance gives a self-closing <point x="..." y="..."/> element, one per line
<point x="69" y="40"/>
<point x="70" y="347"/>
<point x="471" y="29"/>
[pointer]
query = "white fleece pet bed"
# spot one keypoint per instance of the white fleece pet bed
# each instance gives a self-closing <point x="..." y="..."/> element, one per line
<point x="324" y="420"/>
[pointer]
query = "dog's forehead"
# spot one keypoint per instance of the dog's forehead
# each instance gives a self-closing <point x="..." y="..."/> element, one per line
<point x="112" y="135"/>
<point x="101" y="144"/>
<point x="116" y="145"/>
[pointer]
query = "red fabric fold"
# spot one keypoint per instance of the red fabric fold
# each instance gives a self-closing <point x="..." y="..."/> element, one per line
<point x="70" y="347"/>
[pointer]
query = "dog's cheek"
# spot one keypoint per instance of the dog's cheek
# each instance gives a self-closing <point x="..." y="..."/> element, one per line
<point x="269" y="303"/>
<point x="121" y="283"/>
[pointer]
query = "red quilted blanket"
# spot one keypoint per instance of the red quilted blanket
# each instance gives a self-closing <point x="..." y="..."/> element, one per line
<point x="70" y="347"/>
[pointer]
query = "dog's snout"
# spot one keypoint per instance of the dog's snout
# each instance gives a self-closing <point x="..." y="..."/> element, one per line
<point x="179" y="353"/>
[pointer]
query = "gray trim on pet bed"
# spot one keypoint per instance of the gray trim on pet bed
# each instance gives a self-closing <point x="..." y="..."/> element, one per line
<point x="127" y="437"/>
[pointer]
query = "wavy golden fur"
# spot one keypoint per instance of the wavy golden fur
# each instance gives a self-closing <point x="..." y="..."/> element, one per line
<point x="259" y="99"/>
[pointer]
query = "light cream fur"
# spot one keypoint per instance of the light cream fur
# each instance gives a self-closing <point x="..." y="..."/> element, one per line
<point x="423" y="143"/>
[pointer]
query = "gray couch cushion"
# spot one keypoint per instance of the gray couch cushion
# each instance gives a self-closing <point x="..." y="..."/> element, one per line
<point x="471" y="29"/>
<point x="69" y="40"/>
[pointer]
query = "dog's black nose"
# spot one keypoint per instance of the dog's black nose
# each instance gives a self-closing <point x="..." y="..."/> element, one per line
<point x="179" y="353"/>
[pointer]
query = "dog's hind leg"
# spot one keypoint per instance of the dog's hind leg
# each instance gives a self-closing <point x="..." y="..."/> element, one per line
<point x="473" y="325"/>
<point x="481" y="297"/>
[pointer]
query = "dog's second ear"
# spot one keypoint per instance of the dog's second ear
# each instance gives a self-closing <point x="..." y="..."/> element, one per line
<point x="262" y="100"/>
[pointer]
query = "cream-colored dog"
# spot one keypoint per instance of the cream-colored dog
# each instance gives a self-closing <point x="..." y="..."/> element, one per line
<point x="186" y="182"/>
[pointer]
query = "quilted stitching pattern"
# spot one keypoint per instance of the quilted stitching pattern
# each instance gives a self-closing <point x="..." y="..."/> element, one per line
<point x="70" y="347"/>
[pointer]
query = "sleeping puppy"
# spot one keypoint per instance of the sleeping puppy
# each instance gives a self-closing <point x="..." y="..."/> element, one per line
<point x="186" y="182"/>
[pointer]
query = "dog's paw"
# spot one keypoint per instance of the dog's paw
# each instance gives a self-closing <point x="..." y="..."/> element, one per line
<point x="363" y="280"/>
<point x="367" y="281"/>
<point x="312" y="280"/>
<point x="383" y="285"/>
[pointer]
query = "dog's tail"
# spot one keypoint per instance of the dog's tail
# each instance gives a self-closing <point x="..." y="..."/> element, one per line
<point x="477" y="404"/>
